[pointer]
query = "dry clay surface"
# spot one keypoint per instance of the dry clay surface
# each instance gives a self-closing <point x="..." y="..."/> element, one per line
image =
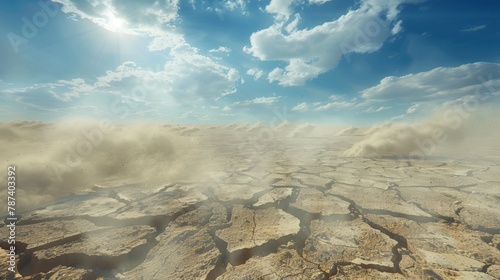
<point x="279" y="213"/>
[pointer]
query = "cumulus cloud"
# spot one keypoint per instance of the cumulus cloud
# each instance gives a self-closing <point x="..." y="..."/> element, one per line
<point x="281" y="8"/>
<point x="420" y="92"/>
<point x="311" y="52"/>
<point x="255" y="72"/>
<point x="187" y="75"/>
<point x="438" y="84"/>
<point x="292" y="26"/>
<point x="195" y="74"/>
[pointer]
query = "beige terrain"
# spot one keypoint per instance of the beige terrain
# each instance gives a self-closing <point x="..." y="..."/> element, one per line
<point x="266" y="203"/>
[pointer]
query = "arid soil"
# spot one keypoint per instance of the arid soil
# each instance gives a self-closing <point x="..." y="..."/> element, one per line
<point x="294" y="210"/>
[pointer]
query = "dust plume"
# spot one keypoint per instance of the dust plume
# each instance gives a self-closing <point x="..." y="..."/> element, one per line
<point x="54" y="160"/>
<point x="450" y="132"/>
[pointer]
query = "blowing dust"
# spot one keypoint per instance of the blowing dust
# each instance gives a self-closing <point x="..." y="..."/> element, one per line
<point x="450" y="133"/>
<point x="54" y="160"/>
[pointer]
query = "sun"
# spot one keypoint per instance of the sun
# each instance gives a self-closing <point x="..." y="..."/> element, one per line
<point x="114" y="23"/>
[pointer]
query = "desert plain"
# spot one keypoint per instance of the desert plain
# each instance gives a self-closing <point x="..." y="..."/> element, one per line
<point x="251" y="202"/>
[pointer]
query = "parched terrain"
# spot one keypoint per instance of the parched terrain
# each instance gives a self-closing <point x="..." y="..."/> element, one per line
<point x="294" y="210"/>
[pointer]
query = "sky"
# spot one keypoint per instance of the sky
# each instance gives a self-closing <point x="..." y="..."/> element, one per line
<point x="238" y="61"/>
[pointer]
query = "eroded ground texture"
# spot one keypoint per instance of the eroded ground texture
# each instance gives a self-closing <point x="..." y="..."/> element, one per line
<point x="294" y="209"/>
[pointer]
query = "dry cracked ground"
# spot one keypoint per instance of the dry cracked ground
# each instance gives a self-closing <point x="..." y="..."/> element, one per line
<point x="294" y="210"/>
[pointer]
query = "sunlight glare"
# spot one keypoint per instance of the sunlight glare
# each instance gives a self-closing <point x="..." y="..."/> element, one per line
<point x="114" y="23"/>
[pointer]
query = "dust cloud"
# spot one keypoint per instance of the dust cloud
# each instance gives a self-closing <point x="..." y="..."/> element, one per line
<point x="55" y="160"/>
<point x="449" y="132"/>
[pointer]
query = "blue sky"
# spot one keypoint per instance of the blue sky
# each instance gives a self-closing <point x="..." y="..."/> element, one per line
<point x="318" y="61"/>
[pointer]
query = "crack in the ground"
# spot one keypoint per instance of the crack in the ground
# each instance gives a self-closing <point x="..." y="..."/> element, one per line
<point x="221" y="245"/>
<point x="322" y="189"/>
<point x="113" y="194"/>
<point x="451" y="220"/>
<point x="254" y="227"/>
<point x="223" y="260"/>
<point x="483" y="229"/>
<point x="485" y="267"/>
<point x="396" y="255"/>
<point x="395" y="187"/>
<point x="239" y="257"/>
<point x="103" y="265"/>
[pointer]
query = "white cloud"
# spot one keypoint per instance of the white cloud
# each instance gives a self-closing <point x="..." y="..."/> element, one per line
<point x="223" y="6"/>
<point x="397" y="27"/>
<point x="474" y="28"/>
<point x="413" y="108"/>
<point x="192" y="3"/>
<point x="194" y="74"/>
<point x="62" y="90"/>
<point x="256" y="73"/>
<point x="183" y="80"/>
<point x="292" y="26"/>
<point x="236" y="5"/>
<point x="220" y="49"/>
<point x="376" y="110"/>
<point x="438" y="84"/>
<point x="339" y="102"/>
<point x="301" y="107"/>
<point x="263" y="101"/>
<point x="154" y="19"/>
<point x="311" y="52"/>
<point x="423" y="93"/>
<point x="337" y="105"/>
<point x="318" y="2"/>
<point x="281" y="8"/>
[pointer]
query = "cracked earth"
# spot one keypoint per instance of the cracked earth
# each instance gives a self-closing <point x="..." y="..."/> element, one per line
<point x="279" y="213"/>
